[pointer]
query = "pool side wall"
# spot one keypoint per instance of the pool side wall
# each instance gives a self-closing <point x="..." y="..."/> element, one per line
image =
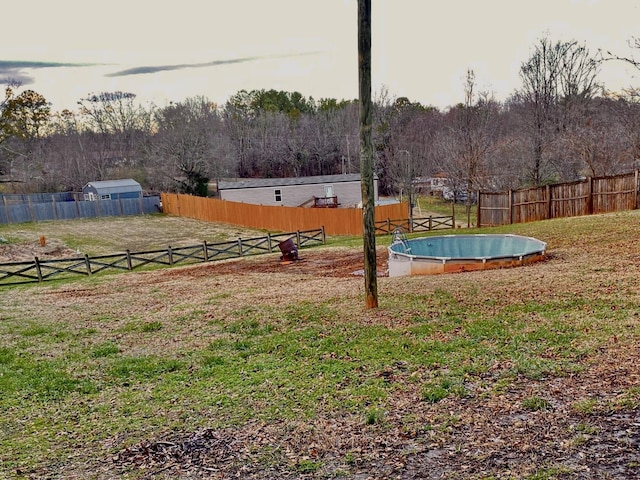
<point x="402" y="264"/>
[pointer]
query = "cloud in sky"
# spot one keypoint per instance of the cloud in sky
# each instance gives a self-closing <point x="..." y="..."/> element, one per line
<point x="145" y="70"/>
<point x="215" y="48"/>
<point x="13" y="70"/>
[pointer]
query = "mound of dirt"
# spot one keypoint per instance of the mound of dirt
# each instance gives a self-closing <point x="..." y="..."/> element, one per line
<point x="27" y="251"/>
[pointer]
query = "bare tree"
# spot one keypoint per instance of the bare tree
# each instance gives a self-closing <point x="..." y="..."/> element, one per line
<point x="117" y="128"/>
<point x="625" y="108"/>
<point x="66" y="157"/>
<point x="634" y="42"/>
<point x="402" y="172"/>
<point x="464" y="148"/>
<point x="472" y="122"/>
<point x="401" y="125"/>
<point x="188" y="148"/>
<point x="558" y="80"/>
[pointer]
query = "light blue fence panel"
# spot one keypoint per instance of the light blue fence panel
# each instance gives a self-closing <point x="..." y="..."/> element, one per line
<point x="108" y="208"/>
<point x="42" y="211"/>
<point x="67" y="210"/>
<point x="88" y="209"/>
<point x="131" y="206"/>
<point x="19" y="213"/>
<point x="151" y="204"/>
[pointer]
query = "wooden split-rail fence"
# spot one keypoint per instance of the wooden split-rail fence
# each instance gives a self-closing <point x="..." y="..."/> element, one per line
<point x="37" y="270"/>
<point x="425" y="224"/>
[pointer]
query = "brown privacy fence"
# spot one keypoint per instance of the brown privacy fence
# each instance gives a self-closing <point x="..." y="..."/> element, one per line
<point x="37" y="270"/>
<point x="584" y="197"/>
<point x="336" y="221"/>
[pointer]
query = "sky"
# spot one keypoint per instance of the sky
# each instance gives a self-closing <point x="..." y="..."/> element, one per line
<point x="421" y="49"/>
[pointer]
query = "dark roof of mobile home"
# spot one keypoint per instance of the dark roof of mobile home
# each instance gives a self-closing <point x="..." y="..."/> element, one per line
<point x="286" y="182"/>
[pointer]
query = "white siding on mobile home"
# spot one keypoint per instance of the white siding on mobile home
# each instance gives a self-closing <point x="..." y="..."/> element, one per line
<point x="294" y="192"/>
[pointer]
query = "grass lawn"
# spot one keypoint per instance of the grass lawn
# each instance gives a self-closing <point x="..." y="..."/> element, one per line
<point x="103" y="236"/>
<point x="238" y="372"/>
<point x="431" y="205"/>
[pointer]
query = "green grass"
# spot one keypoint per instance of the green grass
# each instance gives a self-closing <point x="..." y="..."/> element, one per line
<point x="550" y="473"/>
<point x="428" y="205"/>
<point x="111" y="368"/>
<point x="535" y="403"/>
<point x="117" y="234"/>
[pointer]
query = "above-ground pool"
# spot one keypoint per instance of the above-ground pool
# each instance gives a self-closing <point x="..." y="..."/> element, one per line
<point x="460" y="253"/>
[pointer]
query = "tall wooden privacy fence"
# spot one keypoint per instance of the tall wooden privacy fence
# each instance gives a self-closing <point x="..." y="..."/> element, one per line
<point x="336" y="221"/>
<point x="585" y="197"/>
<point x="14" y="273"/>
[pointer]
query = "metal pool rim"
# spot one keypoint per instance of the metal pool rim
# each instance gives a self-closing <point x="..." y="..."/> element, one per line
<point x="403" y="261"/>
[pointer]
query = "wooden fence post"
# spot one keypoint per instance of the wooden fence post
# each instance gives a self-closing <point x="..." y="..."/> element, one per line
<point x="453" y="213"/>
<point x="298" y="238"/>
<point x="549" y="210"/>
<point x="635" y="193"/>
<point x="7" y="209"/>
<point x="240" y="247"/>
<point x="324" y="237"/>
<point x="510" y="206"/>
<point x="205" y="251"/>
<point x="589" y="195"/>
<point x="129" y="264"/>
<point x="87" y="263"/>
<point x="31" y="212"/>
<point x="269" y="246"/>
<point x="170" y="255"/>
<point x="38" y="269"/>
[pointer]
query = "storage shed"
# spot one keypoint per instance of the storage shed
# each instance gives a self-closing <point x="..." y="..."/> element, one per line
<point x="112" y="190"/>
<point x="316" y="191"/>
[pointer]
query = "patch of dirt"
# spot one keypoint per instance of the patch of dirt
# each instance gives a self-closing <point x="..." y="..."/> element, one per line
<point x="27" y="251"/>
<point x="326" y="263"/>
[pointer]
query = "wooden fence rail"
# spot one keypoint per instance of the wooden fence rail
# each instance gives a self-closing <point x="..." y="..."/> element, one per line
<point x="14" y="273"/>
<point x="419" y="224"/>
<point x="38" y="270"/>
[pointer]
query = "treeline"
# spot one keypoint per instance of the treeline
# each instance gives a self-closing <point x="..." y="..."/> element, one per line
<point x="561" y="124"/>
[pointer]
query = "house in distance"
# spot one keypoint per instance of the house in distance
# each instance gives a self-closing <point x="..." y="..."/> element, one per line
<point x="321" y="191"/>
<point x="112" y="190"/>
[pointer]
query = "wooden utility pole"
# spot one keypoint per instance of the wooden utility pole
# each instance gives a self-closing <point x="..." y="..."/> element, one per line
<point x="366" y="155"/>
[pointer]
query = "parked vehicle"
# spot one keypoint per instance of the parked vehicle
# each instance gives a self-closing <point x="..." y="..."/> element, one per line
<point x="461" y="196"/>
